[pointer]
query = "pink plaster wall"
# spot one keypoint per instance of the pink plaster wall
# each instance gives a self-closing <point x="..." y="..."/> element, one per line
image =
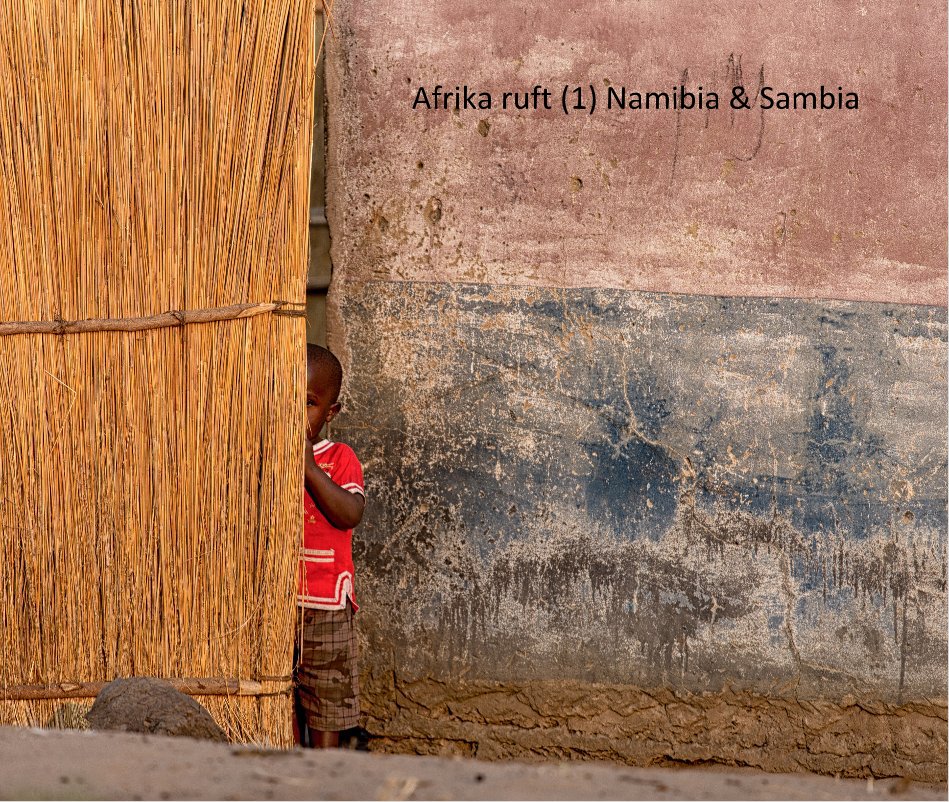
<point x="828" y="205"/>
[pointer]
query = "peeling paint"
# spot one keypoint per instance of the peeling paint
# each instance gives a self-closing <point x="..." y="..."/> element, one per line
<point x="693" y="493"/>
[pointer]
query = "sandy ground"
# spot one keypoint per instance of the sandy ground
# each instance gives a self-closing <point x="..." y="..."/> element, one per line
<point x="58" y="764"/>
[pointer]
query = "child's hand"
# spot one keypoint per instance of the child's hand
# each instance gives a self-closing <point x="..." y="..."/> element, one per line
<point x="341" y="508"/>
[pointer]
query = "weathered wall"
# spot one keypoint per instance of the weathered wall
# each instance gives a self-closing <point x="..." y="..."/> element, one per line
<point x="652" y="406"/>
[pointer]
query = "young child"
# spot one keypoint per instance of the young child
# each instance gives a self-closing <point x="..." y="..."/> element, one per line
<point x="327" y="679"/>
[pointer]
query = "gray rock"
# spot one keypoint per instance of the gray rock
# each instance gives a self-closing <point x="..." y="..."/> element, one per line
<point x="146" y="704"/>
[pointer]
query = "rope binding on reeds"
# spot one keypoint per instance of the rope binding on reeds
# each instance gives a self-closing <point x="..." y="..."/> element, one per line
<point x="193" y="686"/>
<point x="162" y="321"/>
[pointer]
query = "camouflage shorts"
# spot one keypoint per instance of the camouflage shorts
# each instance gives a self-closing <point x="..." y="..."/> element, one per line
<point x="326" y="675"/>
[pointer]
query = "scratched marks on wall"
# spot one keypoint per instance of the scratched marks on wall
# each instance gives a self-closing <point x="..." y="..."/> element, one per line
<point x="633" y="487"/>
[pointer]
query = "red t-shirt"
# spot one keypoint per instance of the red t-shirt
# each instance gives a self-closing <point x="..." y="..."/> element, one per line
<point x="326" y="557"/>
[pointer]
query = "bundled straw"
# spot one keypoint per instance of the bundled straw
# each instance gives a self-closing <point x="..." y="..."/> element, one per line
<point x="153" y="158"/>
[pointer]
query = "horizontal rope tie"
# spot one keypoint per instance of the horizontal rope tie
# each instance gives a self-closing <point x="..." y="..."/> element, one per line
<point x="193" y="686"/>
<point x="162" y="321"/>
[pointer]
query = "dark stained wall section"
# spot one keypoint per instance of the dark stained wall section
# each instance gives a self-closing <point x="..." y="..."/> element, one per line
<point x="641" y="488"/>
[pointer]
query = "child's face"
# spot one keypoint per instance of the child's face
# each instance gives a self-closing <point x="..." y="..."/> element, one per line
<point x="321" y="404"/>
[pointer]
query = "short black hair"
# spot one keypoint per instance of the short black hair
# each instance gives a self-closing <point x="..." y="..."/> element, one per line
<point x="323" y="360"/>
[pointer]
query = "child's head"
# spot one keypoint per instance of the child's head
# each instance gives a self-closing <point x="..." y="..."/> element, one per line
<point x="324" y="376"/>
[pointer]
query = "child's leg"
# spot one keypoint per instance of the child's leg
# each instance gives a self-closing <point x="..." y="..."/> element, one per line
<point x="327" y="675"/>
<point x="324" y="739"/>
<point x="300" y="731"/>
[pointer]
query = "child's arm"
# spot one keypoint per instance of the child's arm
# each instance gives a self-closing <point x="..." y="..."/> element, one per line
<point x="341" y="508"/>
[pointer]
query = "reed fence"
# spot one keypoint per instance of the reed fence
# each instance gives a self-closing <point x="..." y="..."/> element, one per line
<point x="154" y="161"/>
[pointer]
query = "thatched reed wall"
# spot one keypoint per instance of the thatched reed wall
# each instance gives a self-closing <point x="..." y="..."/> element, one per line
<point x="153" y="157"/>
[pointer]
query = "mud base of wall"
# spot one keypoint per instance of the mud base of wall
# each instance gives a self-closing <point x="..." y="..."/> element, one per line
<point x="570" y="720"/>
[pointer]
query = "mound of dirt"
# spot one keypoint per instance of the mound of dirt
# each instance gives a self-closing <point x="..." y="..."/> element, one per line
<point x="146" y="704"/>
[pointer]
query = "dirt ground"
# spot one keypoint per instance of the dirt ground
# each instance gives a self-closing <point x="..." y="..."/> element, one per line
<point x="60" y="764"/>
